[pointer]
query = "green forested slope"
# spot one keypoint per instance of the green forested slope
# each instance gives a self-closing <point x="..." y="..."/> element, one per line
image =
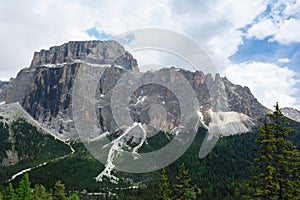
<point x="217" y="176"/>
<point x="28" y="144"/>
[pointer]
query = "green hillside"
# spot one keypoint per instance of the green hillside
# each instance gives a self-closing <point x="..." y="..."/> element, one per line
<point x="30" y="146"/>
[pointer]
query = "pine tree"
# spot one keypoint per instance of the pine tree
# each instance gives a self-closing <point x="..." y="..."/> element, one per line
<point x="278" y="162"/>
<point x="183" y="188"/>
<point x="24" y="190"/>
<point x="59" y="191"/>
<point x="40" y="193"/>
<point x="164" y="190"/>
<point x="10" y="193"/>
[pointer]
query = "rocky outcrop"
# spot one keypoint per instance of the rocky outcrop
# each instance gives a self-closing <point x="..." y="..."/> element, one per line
<point x="11" y="158"/>
<point x="291" y="113"/>
<point x="18" y="88"/>
<point x="3" y="90"/>
<point x="100" y="52"/>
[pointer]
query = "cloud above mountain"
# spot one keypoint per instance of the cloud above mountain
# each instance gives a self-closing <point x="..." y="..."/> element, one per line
<point x="279" y="83"/>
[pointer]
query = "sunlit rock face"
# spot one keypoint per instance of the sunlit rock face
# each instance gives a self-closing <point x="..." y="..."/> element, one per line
<point x="291" y="113"/>
<point x="100" y="52"/>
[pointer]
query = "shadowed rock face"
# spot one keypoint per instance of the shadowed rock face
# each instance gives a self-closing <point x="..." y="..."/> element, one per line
<point x="45" y="89"/>
<point x="3" y="84"/>
<point x="100" y="52"/>
<point x="3" y="90"/>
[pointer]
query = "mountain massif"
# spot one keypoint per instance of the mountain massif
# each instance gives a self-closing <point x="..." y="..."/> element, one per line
<point x="44" y="89"/>
<point x="38" y="131"/>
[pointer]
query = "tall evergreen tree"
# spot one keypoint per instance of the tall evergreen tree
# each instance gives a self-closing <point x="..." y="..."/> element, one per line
<point x="10" y="193"/>
<point x="24" y="190"/>
<point x="40" y="193"/>
<point x="183" y="188"/>
<point x="59" y="191"/>
<point x="164" y="190"/>
<point x="278" y="163"/>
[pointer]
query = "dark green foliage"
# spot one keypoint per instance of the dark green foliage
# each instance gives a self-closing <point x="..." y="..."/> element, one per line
<point x="4" y="139"/>
<point x="31" y="142"/>
<point x="10" y="193"/>
<point x="182" y="188"/>
<point x="278" y="162"/>
<point x="32" y="146"/>
<point x="164" y="192"/>
<point x="59" y="191"/>
<point x="73" y="197"/>
<point x="156" y="142"/>
<point x="77" y="171"/>
<point x="40" y="193"/>
<point x="24" y="190"/>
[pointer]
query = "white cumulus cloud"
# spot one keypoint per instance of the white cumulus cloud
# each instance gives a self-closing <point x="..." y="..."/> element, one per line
<point x="268" y="82"/>
<point x="281" y="23"/>
<point x="284" y="60"/>
<point x="262" y="29"/>
<point x="288" y="32"/>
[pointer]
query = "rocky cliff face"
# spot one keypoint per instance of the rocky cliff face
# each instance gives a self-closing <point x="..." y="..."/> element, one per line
<point x="3" y="89"/>
<point x="49" y="98"/>
<point x="291" y="113"/>
<point x="215" y="93"/>
<point x="45" y="89"/>
<point x="100" y="52"/>
<point x="18" y="88"/>
<point x="3" y="84"/>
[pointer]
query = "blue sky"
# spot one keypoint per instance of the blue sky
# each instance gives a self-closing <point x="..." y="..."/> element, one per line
<point x="266" y="51"/>
<point x="254" y="43"/>
<point x="93" y="32"/>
